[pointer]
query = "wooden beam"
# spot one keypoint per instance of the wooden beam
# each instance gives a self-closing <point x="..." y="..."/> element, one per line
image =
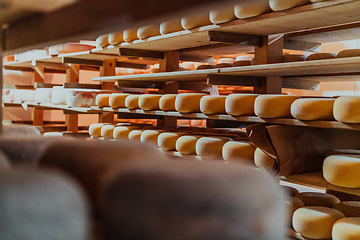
<point x="38" y="79"/>
<point x="301" y="45"/>
<point x="137" y="116"/>
<point x="82" y="61"/>
<point x="81" y="85"/>
<point x="221" y="79"/>
<point x="131" y="65"/>
<point x="195" y="86"/>
<point x="139" y="84"/>
<point x="236" y="38"/>
<point x="141" y="53"/>
<point x="170" y="62"/>
<point x="72" y="77"/>
<point x="195" y="58"/>
<point x="107" y="69"/>
<point x="45" y="85"/>
<point x="49" y="65"/>
<point x="293" y="83"/>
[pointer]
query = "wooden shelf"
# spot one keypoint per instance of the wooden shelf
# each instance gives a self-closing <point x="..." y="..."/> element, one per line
<point x="49" y="106"/>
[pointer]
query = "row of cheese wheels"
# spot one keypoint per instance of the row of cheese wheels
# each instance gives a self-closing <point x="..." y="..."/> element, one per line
<point x="242" y="9"/>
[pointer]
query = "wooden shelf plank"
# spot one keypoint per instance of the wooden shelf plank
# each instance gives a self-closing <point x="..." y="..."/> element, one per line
<point x="50" y="106"/>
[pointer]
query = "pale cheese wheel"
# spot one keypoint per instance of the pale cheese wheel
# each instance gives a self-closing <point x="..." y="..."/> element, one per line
<point x="318" y="199"/>
<point x="290" y="191"/>
<point x="188" y="102"/>
<point x="293" y="205"/>
<point x="274" y="106"/>
<point x="195" y="21"/>
<point x="167" y="102"/>
<point x="149" y="101"/>
<point x="315" y="222"/>
<point x="251" y="8"/>
<point x="122" y="132"/>
<point x="264" y="161"/>
<point x="132" y="102"/>
<point x="117" y="100"/>
<point x="320" y="56"/>
<point x="346" y="109"/>
<point x="342" y="171"/>
<point x="241" y="63"/>
<point x="151" y="136"/>
<point x="346" y="229"/>
<point x="238" y="104"/>
<point x="280" y="5"/>
<point x="102" y="41"/>
<point x="349" y="53"/>
<point x="167" y="140"/>
<point x="293" y="58"/>
<point x="171" y="26"/>
<point x="130" y="35"/>
<point x="187" y="144"/>
<point x="222" y="15"/>
<point x="107" y="131"/>
<point x="135" y="135"/>
<point x="210" y="148"/>
<point x="116" y="38"/>
<point x="53" y="134"/>
<point x="212" y="104"/>
<point x="148" y="31"/>
<point x="241" y="152"/>
<point x="349" y="208"/>
<point x="205" y="66"/>
<point x="313" y="109"/>
<point x="95" y="129"/>
<point x="102" y="100"/>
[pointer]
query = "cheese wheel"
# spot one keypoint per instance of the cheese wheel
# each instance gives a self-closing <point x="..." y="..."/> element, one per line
<point x="107" y="131"/>
<point x="205" y="66"/>
<point x="241" y="63"/>
<point x="135" y="135"/>
<point x="251" y="8"/>
<point x="167" y="102"/>
<point x="187" y="144"/>
<point x="123" y="131"/>
<point x="69" y="48"/>
<point x="210" y="148"/>
<point x="318" y="199"/>
<point x="320" y="56"/>
<point x="315" y="222"/>
<point x="212" y="104"/>
<point x="117" y="100"/>
<point x="290" y="191"/>
<point x="294" y="58"/>
<point x="342" y="171"/>
<point x="346" y="109"/>
<point x="151" y="136"/>
<point x="280" y="5"/>
<point x="223" y="65"/>
<point x="43" y="95"/>
<point x="222" y="15"/>
<point x="102" y="41"/>
<point x="274" y="106"/>
<point x="171" y="26"/>
<point x="149" y="101"/>
<point x="195" y="21"/>
<point x="102" y="100"/>
<point x="95" y="129"/>
<point x="349" y="53"/>
<point x="241" y="152"/>
<point x="116" y="38"/>
<point x="148" y="31"/>
<point x="238" y="104"/>
<point x="130" y="35"/>
<point x="346" y="229"/>
<point x="293" y="205"/>
<point x="167" y="140"/>
<point x="53" y="134"/>
<point x="313" y="109"/>
<point x="132" y="102"/>
<point x="349" y="208"/>
<point x="264" y="161"/>
<point x="188" y="102"/>
<point x="155" y="70"/>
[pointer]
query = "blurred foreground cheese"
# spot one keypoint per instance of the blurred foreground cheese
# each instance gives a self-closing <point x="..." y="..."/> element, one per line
<point x="211" y="147"/>
<point x="346" y="229"/>
<point x="313" y="109"/>
<point x="251" y="8"/>
<point x="274" y="106"/>
<point x="212" y="104"/>
<point x="346" y="109"/>
<point x="280" y="5"/>
<point x="188" y="102"/>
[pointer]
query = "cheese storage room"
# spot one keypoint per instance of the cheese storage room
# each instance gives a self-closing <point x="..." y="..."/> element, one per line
<point x="180" y="120"/>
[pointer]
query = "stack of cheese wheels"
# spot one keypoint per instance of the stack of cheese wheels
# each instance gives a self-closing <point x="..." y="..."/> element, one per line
<point x="132" y="101"/>
<point x="130" y="35"/>
<point x="293" y="205"/>
<point x="241" y="152"/>
<point x="274" y="106"/>
<point x="318" y="199"/>
<point x="188" y="102"/>
<point x="117" y="100"/>
<point x="151" y="136"/>
<point x="346" y="228"/>
<point x="315" y="222"/>
<point x="148" y="31"/>
<point x="348" y="53"/>
<point x="102" y="41"/>
<point x="243" y="60"/>
<point x="102" y="100"/>
<point x="264" y="161"/>
<point x="280" y="5"/>
<point x="123" y="131"/>
<point x="349" y="208"/>
<point x="320" y="56"/>
<point x="135" y="135"/>
<point x="252" y="8"/>
<point x="167" y="102"/>
<point x="195" y="21"/>
<point x="342" y="171"/>
<point x="346" y="109"/>
<point x="238" y="104"/>
<point x="223" y="15"/>
<point x="290" y="191"/>
<point x="116" y="38"/>
<point x="313" y="109"/>
<point x="95" y="129"/>
<point x="171" y="26"/>
<point x="167" y="140"/>
<point x="107" y="131"/>
<point x="293" y="58"/>
<point x="211" y="147"/>
<point x="186" y="144"/>
<point x="149" y="101"/>
<point x="212" y="104"/>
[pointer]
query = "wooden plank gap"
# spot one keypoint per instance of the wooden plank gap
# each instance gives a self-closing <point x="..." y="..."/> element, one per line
<point x="80" y="61"/>
<point x="140" y="84"/>
<point x="131" y="65"/>
<point x="236" y="38"/>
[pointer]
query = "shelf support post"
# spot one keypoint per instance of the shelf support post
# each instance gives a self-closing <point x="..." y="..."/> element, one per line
<point x="107" y="69"/>
<point x="72" y="76"/>
<point x="38" y="114"/>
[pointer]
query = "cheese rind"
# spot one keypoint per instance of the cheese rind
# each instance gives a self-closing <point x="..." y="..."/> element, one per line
<point x="251" y="8"/>
<point x="348" y="53"/>
<point x="320" y="56"/>
<point x="241" y="152"/>
<point x="167" y="140"/>
<point x="188" y="102"/>
<point x="274" y="106"/>
<point x="187" y="144"/>
<point x="171" y="26"/>
<point x="116" y="38"/>
<point x="148" y="31"/>
<point x="122" y="132"/>
<point x="117" y="100"/>
<point x="212" y="104"/>
<point x="210" y="148"/>
<point x="167" y="102"/>
<point x="318" y="199"/>
<point x="135" y="135"/>
<point x="280" y="5"/>
<point x="346" y="109"/>
<point x="262" y="160"/>
<point x="293" y="205"/>
<point x="313" y="109"/>
<point x="132" y="102"/>
<point x="102" y="100"/>
<point x="107" y="131"/>
<point x="240" y="104"/>
<point x="195" y="21"/>
<point x="95" y="129"/>
<point x="130" y="35"/>
<point x="149" y="101"/>
<point x="102" y="41"/>
<point x="222" y="15"/>
<point x="151" y="136"/>
<point x="294" y="58"/>
<point x="346" y="229"/>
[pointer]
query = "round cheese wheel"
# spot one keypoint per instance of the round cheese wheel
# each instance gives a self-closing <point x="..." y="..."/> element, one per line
<point x="349" y="208"/>
<point x="238" y="104"/>
<point x="123" y="131"/>
<point x="107" y="131"/>
<point x="130" y="35"/>
<point x="349" y="53"/>
<point x="151" y="136"/>
<point x="188" y="102"/>
<point x="280" y="5"/>
<point x="195" y="21"/>
<point x="241" y="63"/>
<point x="290" y="191"/>
<point x="313" y="109"/>
<point x="223" y="65"/>
<point x="274" y="106"/>
<point x="135" y="135"/>
<point x="212" y="104"/>
<point x="205" y="66"/>
<point x="149" y="101"/>
<point x="315" y="222"/>
<point x="167" y="102"/>
<point x="117" y="100"/>
<point x="148" y="31"/>
<point x="251" y="8"/>
<point x="210" y="148"/>
<point x="132" y="101"/>
<point x="346" y="109"/>
<point x="342" y="171"/>
<point x="293" y="205"/>
<point x="102" y="100"/>
<point x="223" y="15"/>
<point x="242" y="152"/>
<point x="264" y="161"/>
<point x="346" y="229"/>
<point x="320" y="56"/>
<point x="171" y="26"/>
<point x="155" y="70"/>
<point x="318" y="199"/>
<point x="294" y="58"/>
<point x="167" y="140"/>
<point x="95" y="129"/>
<point x="102" y="41"/>
<point x="187" y="144"/>
<point x="116" y="38"/>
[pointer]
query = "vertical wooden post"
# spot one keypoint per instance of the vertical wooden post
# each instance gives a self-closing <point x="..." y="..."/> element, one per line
<point x="38" y="114"/>
<point x="72" y="76"/>
<point x="107" y="69"/>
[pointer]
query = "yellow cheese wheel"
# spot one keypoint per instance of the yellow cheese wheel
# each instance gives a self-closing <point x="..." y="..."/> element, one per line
<point x="222" y="15"/>
<point x="195" y="21"/>
<point x="212" y="104"/>
<point x="132" y="102"/>
<point x="346" y="109"/>
<point x="116" y="38"/>
<point x="318" y="199"/>
<point x="149" y="101"/>
<point x="130" y="35"/>
<point x="315" y="222"/>
<point x="346" y="229"/>
<point x="293" y="204"/>
<point x="148" y="31"/>
<point x="135" y="135"/>
<point x="171" y="26"/>
<point x="274" y="106"/>
<point x="290" y="191"/>
<point x="187" y="144"/>
<point x="167" y="140"/>
<point x="102" y="41"/>
<point x="349" y="208"/>
<point x="211" y="147"/>
<point x="294" y="58"/>
<point x="320" y="56"/>
<point x="167" y="102"/>
<point x="95" y="129"/>
<point x="205" y="66"/>
<point x="280" y="5"/>
<point x="251" y="8"/>
<point x="122" y="132"/>
<point x="107" y="131"/>
<point x="188" y="102"/>
<point x="349" y="53"/>
<point x="151" y="136"/>
<point x="264" y="161"/>
<point x="117" y="100"/>
<point x="238" y="104"/>
<point x="313" y="109"/>
<point x="241" y="152"/>
<point x="342" y="171"/>
<point x="102" y="100"/>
